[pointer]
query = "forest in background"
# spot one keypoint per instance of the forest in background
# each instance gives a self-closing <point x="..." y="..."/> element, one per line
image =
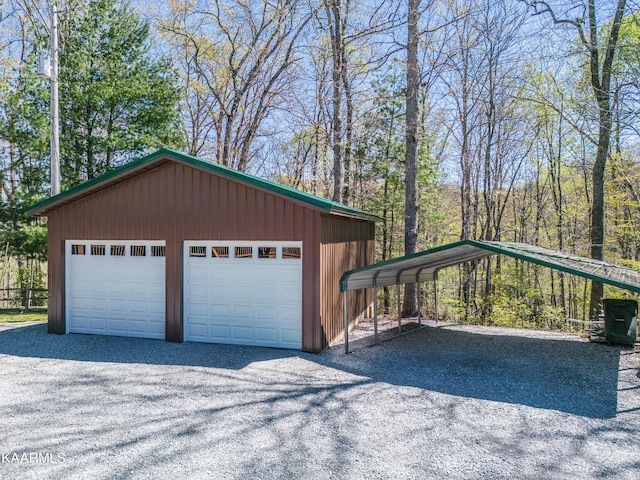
<point x="500" y="120"/>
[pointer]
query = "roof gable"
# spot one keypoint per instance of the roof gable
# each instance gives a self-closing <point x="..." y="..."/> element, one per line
<point x="165" y="155"/>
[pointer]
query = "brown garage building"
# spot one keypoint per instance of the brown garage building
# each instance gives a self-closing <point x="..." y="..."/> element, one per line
<point x="176" y="248"/>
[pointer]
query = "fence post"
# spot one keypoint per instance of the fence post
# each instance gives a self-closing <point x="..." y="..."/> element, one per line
<point x="27" y="295"/>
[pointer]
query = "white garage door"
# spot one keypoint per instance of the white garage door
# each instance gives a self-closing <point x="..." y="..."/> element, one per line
<point x="247" y="293"/>
<point x="116" y="288"/>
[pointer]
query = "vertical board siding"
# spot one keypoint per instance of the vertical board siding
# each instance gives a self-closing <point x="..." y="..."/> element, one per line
<point x="55" y="271"/>
<point x="175" y="202"/>
<point x="345" y="244"/>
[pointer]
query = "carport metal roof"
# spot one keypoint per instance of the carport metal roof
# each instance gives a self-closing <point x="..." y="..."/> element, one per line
<point x="424" y="266"/>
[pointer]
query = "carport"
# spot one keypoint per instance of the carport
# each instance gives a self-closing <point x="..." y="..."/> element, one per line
<point x="424" y="267"/>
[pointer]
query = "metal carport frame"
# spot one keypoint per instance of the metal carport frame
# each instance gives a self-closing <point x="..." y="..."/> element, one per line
<point x="424" y="266"/>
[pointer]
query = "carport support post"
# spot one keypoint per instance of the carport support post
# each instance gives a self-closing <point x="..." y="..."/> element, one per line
<point x="419" y="317"/>
<point x="375" y="314"/>
<point x="399" y="311"/>
<point x="346" y="323"/>
<point x="435" y="296"/>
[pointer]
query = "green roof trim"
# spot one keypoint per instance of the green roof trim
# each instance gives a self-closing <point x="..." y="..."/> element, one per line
<point x="425" y="265"/>
<point x="322" y="203"/>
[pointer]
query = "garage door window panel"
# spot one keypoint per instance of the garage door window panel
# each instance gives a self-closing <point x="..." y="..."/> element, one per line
<point x="198" y="251"/>
<point x="97" y="249"/>
<point x="267" y="252"/>
<point x="138" y="250"/>
<point x="291" y="253"/>
<point x="77" y="249"/>
<point x="243" y="252"/>
<point x="219" y="252"/>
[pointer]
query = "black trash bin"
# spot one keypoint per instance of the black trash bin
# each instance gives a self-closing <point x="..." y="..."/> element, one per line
<point x="620" y="321"/>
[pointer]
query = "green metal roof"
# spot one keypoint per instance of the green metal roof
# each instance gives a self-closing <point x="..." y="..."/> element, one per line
<point x="164" y="154"/>
<point x="423" y="266"/>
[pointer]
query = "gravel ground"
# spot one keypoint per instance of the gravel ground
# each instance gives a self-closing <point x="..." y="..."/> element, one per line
<point x="446" y="401"/>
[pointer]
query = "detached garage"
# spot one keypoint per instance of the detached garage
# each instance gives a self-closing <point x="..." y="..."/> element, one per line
<point x="172" y="247"/>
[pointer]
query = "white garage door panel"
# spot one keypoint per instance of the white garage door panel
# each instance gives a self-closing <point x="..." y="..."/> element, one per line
<point x="247" y="301"/>
<point x="266" y="334"/>
<point x="220" y="332"/>
<point x="289" y="336"/>
<point x="115" y="294"/>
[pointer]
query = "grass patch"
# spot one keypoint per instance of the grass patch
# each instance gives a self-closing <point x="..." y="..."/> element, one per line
<point x="17" y="315"/>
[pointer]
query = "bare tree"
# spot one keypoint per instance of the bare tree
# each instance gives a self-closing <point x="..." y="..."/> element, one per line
<point x="600" y="53"/>
<point x="349" y="32"/>
<point x="236" y="54"/>
<point x="462" y="83"/>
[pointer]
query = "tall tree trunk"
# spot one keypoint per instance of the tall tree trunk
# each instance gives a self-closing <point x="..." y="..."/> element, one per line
<point x="334" y="16"/>
<point x="316" y="160"/>
<point x="348" y="167"/>
<point x="601" y="85"/>
<point x="465" y="168"/>
<point x="555" y="171"/>
<point x="597" y="207"/>
<point x="410" y="304"/>
<point x="385" y="238"/>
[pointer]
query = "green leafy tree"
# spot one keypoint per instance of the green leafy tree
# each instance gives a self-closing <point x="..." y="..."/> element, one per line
<point x="384" y="146"/>
<point x="117" y="98"/>
<point x="24" y="172"/>
<point x="386" y="149"/>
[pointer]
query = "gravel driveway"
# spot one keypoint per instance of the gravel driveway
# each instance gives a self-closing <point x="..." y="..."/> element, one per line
<point x="444" y="402"/>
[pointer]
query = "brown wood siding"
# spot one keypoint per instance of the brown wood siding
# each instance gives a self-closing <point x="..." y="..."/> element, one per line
<point x="176" y="202"/>
<point x="345" y="244"/>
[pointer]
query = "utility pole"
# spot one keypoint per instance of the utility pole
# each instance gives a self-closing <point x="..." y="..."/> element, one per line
<point x="55" y="120"/>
